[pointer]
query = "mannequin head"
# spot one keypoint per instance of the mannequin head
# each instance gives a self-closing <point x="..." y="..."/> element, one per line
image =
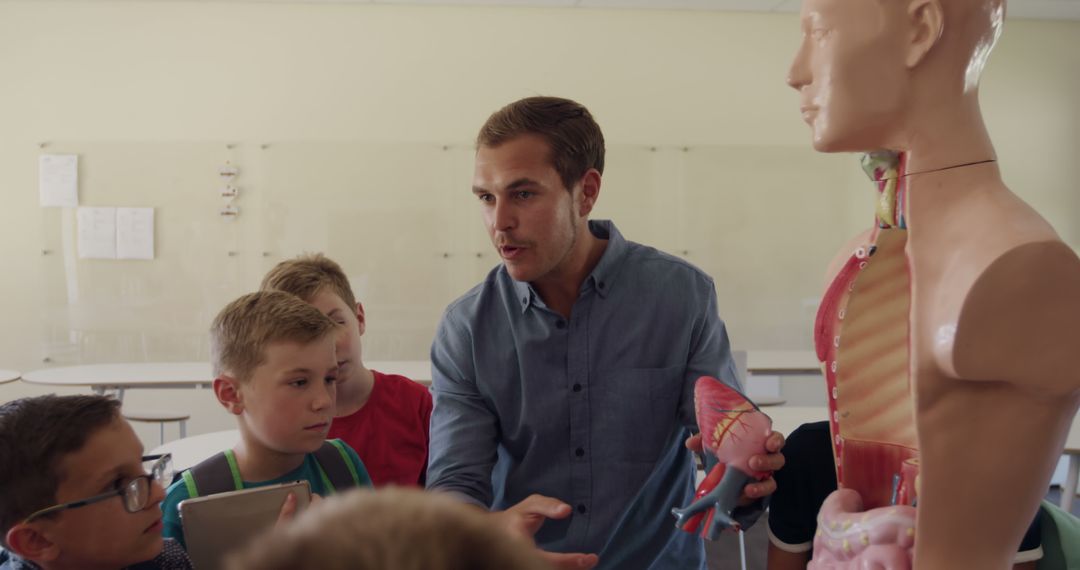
<point x="880" y="74"/>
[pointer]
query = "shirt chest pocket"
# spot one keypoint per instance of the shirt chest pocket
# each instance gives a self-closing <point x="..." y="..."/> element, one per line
<point x="634" y="411"/>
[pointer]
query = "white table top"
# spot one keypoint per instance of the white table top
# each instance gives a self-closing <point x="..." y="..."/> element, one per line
<point x="779" y="362"/>
<point x="8" y="376"/>
<point x="126" y="375"/>
<point x="191" y="450"/>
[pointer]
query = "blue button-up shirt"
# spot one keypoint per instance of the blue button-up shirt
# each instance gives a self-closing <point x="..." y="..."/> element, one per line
<point x="592" y="410"/>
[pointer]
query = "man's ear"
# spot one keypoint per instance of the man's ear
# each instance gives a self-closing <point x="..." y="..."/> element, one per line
<point x="227" y="390"/>
<point x="360" y="318"/>
<point x="590" y="191"/>
<point x="28" y="541"/>
<point x="927" y="21"/>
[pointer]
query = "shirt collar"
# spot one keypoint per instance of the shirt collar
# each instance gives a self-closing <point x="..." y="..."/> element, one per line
<point x="602" y="277"/>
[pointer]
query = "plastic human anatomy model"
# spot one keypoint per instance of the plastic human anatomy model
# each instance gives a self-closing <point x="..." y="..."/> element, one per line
<point x="951" y="333"/>
<point x="732" y="430"/>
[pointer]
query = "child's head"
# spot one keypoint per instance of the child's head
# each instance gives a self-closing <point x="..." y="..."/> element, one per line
<point x="402" y="529"/>
<point x="275" y="368"/>
<point x="321" y="282"/>
<point x="56" y="450"/>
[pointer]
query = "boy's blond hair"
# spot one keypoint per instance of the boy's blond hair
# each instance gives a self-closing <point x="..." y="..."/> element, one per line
<point x="306" y="275"/>
<point x="392" y="528"/>
<point x="245" y="327"/>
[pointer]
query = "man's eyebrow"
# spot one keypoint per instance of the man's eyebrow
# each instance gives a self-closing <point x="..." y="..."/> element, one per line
<point x="521" y="182"/>
<point x="516" y="184"/>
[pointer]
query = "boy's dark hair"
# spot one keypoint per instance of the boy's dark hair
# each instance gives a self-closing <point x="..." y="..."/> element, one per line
<point x="575" y="140"/>
<point x="36" y="434"/>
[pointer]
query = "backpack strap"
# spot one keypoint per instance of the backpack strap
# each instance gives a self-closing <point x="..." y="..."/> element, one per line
<point x="217" y="474"/>
<point x="337" y="469"/>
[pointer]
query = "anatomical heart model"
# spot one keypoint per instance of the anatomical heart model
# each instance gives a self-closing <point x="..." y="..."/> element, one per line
<point x="732" y="430"/>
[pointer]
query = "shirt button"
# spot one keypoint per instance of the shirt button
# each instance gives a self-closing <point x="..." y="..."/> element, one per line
<point x="577" y="387"/>
<point x="579" y="452"/>
<point x="524" y="300"/>
<point x="560" y="324"/>
<point x="600" y="284"/>
<point x="581" y="509"/>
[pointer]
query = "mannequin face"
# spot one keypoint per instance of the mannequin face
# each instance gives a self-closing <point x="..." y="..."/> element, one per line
<point x="850" y="72"/>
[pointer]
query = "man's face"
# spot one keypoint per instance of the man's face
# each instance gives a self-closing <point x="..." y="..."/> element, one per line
<point x="350" y="328"/>
<point x="104" y="534"/>
<point x="850" y="72"/>
<point x="527" y="211"/>
<point x="288" y="403"/>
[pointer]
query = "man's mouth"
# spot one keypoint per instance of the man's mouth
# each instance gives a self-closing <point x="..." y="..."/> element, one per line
<point x="317" y="427"/>
<point x="510" y="251"/>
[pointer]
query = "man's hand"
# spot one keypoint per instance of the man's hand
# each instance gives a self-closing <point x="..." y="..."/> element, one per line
<point x="526" y="517"/>
<point x="769" y="462"/>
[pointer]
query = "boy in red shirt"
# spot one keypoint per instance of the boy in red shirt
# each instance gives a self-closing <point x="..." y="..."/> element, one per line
<point x="384" y="417"/>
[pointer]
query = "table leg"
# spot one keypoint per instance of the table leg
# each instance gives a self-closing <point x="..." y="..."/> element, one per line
<point x="115" y="392"/>
<point x="1068" y="493"/>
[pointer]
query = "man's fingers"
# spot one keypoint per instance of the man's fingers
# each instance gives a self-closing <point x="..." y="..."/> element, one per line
<point x="693" y="443"/>
<point x="760" y="489"/>
<point x="775" y="442"/>
<point x="547" y="507"/>
<point x="768" y="463"/>
<point x="563" y="560"/>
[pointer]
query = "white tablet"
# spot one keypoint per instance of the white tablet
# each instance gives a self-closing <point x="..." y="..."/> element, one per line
<point x="216" y="525"/>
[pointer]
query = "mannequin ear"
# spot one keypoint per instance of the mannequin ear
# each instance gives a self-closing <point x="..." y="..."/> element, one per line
<point x="227" y="390"/>
<point x="927" y="23"/>
<point x="29" y="542"/>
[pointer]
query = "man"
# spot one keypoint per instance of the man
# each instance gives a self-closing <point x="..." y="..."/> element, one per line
<point x="567" y="375"/>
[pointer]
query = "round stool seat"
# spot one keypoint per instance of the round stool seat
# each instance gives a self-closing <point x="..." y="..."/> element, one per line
<point x="160" y="417"/>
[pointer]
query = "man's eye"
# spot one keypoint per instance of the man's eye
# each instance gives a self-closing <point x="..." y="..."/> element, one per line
<point x="299" y="383"/>
<point x="524" y="194"/>
<point x="331" y="379"/>
<point x="485" y="197"/>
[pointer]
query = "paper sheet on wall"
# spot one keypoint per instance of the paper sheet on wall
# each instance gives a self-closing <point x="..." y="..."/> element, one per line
<point x="96" y="233"/>
<point x="58" y="180"/>
<point x="135" y="233"/>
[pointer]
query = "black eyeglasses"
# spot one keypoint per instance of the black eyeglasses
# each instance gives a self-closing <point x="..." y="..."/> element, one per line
<point x="136" y="493"/>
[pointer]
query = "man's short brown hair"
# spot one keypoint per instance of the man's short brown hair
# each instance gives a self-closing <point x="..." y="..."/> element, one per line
<point x="306" y="275"/>
<point x="36" y="434"/>
<point x="575" y="140"/>
<point x="402" y="529"/>
<point x="245" y="327"/>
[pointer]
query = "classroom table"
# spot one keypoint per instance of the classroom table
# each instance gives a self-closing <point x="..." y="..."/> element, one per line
<point x="117" y="377"/>
<point x="782" y="363"/>
<point x="8" y="376"/>
<point x="191" y="450"/>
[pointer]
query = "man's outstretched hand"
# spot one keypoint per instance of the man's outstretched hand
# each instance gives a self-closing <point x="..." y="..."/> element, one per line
<point x="526" y="517"/>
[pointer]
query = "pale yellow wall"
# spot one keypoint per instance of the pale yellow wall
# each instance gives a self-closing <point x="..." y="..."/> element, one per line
<point x="708" y="156"/>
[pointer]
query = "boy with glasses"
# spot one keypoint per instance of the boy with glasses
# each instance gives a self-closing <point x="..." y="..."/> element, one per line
<point x="76" y="491"/>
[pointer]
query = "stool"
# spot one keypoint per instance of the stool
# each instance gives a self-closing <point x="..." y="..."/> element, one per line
<point x="159" y="417"/>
